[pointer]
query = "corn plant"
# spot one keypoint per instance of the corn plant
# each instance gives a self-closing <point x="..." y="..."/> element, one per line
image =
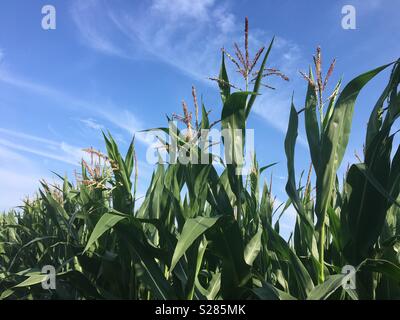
<point x="207" y="233"/>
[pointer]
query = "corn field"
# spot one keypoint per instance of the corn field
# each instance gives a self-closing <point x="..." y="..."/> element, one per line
<point x="205" y="233"/>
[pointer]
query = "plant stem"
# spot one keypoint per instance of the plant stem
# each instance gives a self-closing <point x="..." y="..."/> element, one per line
<point x="321" y="249"/>
<point x="239" y="200"/>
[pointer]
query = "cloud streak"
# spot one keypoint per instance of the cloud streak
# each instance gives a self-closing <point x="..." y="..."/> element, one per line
<point x="120" y="117"/>
<point x="187" y="35"/>
<point x="92" y="124"/>
<point x="50" y="149"/>
<point x="71" y="159"/>
<point x="20" y="178"/>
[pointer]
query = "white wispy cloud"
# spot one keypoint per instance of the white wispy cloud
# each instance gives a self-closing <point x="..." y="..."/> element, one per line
<point x="119" y="116"/>
<point x="172" y="36"/>
<point x="55" y="150"/>
<point x="19" y="186"/>
<point x="367" y="5"/>
<point x="92" y="124"/>
<point x="185" y="34"/>
<point x="42" y="153"/>
<point x="89" y="33"/>
<point x="273" y="109"/>
<point x="21" y="174"/>
<point x="22" y="135"/>
<point x="195" y="9"/>
<point x="127" y="121"/>
<point x="7" y="155"/>
<point x="10" y="78"/>
<point x="188" y="35"/>
<point x="20" y="177"/>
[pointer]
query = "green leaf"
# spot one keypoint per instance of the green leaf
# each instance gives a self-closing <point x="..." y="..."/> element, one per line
<point x="32" y="280"/>
<point x="213" y="286"/>
<point x="26" y="245"/>
<point x="129" y="158"/>
<point x="311" y="123"/>
<point x="192" y="229"/>
<point x="301" y="276"/>
<point x="375" y="119"/>
<point x="267" y="166"/>
<point x="375" y="183"/>
<point x="384" y="267"/>
<point x="365" y="209"/>
<point x="81" y="283"/>
<point x="257" y="83"/>
<point x="105" y="223"/>
<point x="334" y="140"/>
<point x="194" y="257"/>
<point x="227" y="244"/>
<point x="325" y="289"/>
<point x="205" y="123"/>
<point x="224" y="86"/>
<point x="146" y="267"/>
<point x="5" y="294"/>
<point x="233" y="118"/>
<point x="269" y="292"/>
<point x="253" y="247"/>
<point x="290" y="144"/>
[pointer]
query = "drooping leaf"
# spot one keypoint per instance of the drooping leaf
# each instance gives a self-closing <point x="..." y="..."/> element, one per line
<point x="105" y="223"/>
<point x="253" y="247"/>
<point x="334" y="140"/>
<point x="325" y="289"/>
<point x="192" y="229"/>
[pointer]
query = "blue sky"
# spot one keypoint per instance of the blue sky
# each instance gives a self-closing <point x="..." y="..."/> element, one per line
<point x="123" y="65"/>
